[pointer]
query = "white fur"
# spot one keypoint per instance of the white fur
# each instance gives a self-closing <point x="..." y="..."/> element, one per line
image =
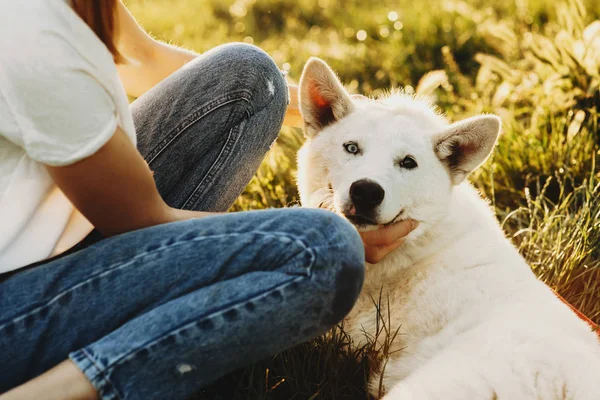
<point x="473" y="320"/>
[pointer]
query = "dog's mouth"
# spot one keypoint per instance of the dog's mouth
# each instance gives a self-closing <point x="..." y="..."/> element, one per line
<point x="358" y="219"/>
<point x="395" y="219"/>
<point x="363" y="220"/>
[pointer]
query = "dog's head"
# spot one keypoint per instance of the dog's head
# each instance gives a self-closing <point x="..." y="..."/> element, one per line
<point x="379" y="161"/>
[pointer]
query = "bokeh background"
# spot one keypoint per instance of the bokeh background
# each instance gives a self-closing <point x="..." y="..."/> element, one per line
<point x="536" y="63"/>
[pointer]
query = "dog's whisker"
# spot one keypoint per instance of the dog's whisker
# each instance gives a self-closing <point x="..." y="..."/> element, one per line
<point x="324" y="197"/>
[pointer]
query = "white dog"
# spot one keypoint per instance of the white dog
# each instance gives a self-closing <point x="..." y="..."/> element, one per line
<point x="473" y="321"/>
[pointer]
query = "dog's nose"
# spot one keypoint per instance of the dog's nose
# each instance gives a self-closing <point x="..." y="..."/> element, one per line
<point x="366" y="194"/>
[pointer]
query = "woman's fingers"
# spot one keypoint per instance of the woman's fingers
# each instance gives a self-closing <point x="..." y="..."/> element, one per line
<point x="375" y="254"/>
<point x="389" y="234"/>
<point x="381" y="242"/>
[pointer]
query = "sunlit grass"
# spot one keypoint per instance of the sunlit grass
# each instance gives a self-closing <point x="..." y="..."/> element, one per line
<point x="536" y="63"/>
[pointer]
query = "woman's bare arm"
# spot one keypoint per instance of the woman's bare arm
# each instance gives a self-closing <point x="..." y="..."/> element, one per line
<point x="115" y="190"/>
<point x="151" y="61"/>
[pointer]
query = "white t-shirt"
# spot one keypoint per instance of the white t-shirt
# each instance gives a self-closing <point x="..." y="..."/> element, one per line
<point x="61" y="100"/>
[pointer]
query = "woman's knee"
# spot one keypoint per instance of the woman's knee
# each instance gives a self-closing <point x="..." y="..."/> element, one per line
<point x="250" y="69"/>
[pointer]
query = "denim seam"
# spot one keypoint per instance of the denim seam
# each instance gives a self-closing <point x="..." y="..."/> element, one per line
<point x="132" y="355"/>
<point x="100" y="376"/>
<point x="117" y="266"/>
<point x="232" y="138"/>
<point x="196" y="116"/>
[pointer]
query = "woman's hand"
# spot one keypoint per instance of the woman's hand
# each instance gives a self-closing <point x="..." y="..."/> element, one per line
<point x="381" y="242"/>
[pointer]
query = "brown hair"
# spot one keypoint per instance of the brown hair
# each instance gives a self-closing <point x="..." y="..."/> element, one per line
<point x="100" y="15"/>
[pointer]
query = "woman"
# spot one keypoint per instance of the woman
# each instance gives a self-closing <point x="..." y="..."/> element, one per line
<point x="165" y="294"/>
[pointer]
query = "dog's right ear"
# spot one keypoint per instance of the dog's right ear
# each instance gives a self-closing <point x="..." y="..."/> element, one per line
<point x="467" y="144"/>
<point x="323" y="99"/>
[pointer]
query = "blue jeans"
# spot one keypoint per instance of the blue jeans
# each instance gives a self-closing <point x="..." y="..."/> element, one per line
<point x="160" y="312"/>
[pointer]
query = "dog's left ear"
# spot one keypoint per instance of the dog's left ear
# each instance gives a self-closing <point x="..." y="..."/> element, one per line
<point x="323" y="99"/>
<point x="467" y="144"/>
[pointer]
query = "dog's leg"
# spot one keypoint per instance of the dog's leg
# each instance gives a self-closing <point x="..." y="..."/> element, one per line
<point x="449" y="376"/>
<point x="437" y="387"/>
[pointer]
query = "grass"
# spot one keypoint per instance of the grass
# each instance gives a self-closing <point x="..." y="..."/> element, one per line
<point x="535" y="63"/>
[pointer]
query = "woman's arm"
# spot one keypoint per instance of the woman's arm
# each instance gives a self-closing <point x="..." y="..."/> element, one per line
<point x="152" y="61"/>
<point x="149" y="61"/>
<point x="114" y="189"/>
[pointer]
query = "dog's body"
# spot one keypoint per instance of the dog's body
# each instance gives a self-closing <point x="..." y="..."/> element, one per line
<point x="473" y="321"/>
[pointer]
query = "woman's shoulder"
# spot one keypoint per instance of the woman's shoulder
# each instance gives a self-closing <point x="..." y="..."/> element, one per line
<point x="24" y="19"/>
<point x="46" y="32"/>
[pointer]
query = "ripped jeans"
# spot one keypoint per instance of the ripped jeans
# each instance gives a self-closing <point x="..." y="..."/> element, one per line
<point x="161" y="312"/>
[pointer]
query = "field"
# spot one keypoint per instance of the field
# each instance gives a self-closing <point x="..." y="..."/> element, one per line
<point x="536" y="63"/>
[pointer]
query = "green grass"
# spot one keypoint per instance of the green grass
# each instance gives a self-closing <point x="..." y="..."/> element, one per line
<point x="533" y="62"/>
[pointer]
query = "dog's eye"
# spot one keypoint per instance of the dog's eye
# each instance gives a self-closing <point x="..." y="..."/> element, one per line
<point x="408" y="162"/>
<point x="351" y="148"/>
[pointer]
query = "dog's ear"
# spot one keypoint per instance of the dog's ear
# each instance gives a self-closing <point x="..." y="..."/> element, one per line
<point x="467" y="144"/>
<point x="323" y="99"/>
